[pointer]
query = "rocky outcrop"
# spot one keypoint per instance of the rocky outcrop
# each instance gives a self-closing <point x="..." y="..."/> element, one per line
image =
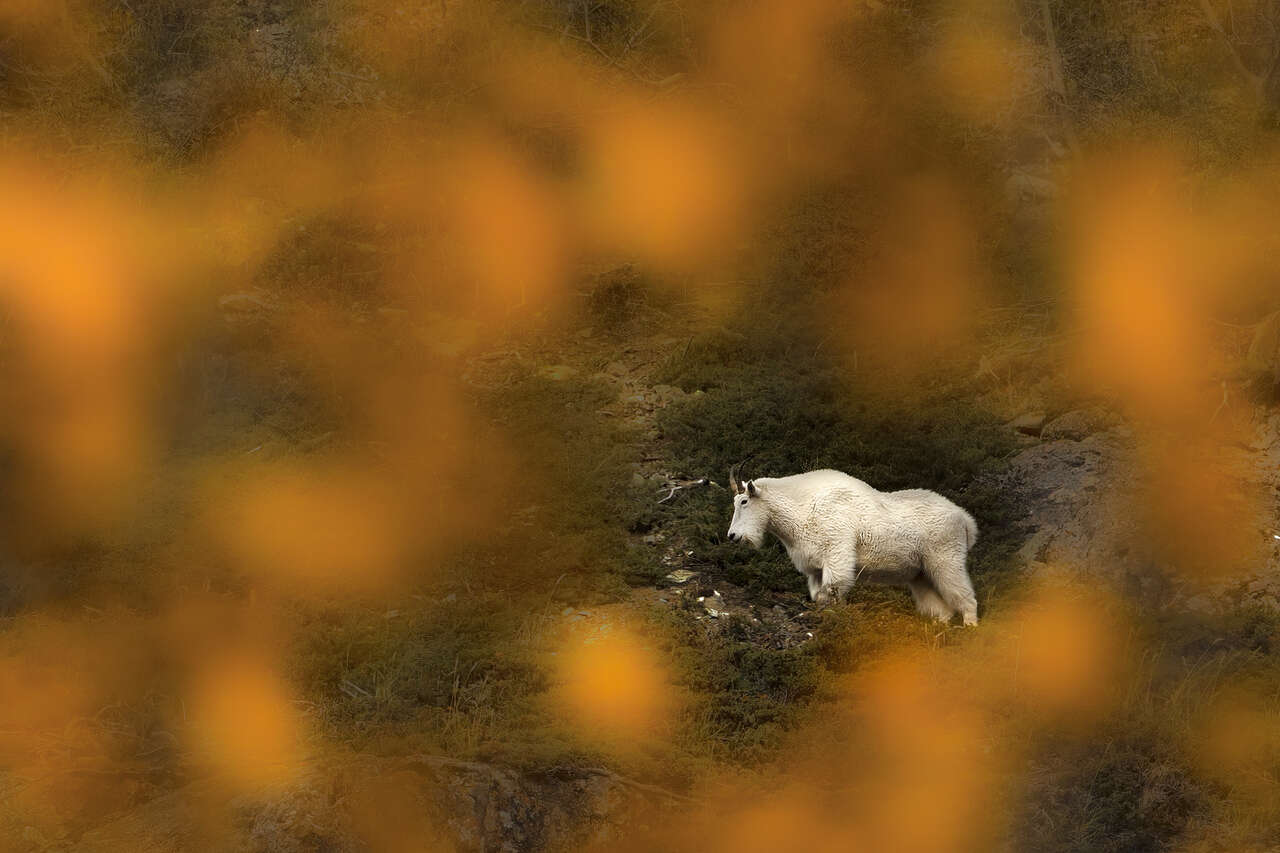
<point x="1084" y="493"/>
<point x="1078" y="425"/>
<point x="1068" y="487"/>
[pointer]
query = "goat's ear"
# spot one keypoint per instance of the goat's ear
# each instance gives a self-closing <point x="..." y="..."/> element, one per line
<point x="752" y="490"/>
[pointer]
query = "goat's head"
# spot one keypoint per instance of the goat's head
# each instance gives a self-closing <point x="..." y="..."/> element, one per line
<point x="750" y="510"/>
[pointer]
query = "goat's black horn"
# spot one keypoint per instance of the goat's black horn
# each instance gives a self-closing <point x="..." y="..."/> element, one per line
<point x="733" y="475"/>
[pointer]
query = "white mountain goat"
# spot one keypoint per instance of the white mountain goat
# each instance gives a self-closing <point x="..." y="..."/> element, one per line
<point x="837" y="529"/>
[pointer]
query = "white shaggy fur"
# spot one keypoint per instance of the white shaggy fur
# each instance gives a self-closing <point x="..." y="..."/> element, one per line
<point x="837" y="529"/>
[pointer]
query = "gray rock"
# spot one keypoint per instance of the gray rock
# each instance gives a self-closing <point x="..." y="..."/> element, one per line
<point x="1028" y="424"/>
<point x="1074" y="516"/>
<point x="1085" y="505"/>
<point x="1075" y="426"/>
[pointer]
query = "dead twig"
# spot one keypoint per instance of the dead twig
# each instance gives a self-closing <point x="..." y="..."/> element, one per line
<point x="681" y="485"/>
<point x="355" y="691"/>
<point x="643" y="787"/>
<point x="1225" y="396"/>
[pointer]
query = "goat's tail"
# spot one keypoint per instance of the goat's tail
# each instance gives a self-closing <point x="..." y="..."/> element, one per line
<point x="970" y="529"/>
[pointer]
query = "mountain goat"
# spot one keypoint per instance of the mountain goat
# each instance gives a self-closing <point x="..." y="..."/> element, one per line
<point x="837" y="529"/>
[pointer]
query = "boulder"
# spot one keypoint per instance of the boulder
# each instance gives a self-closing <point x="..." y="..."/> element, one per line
<point x="1028" y="424"/>
<point x="1085" y="500"/>
<point x="1074" y="514"/>
<point x="1076" y="425"/>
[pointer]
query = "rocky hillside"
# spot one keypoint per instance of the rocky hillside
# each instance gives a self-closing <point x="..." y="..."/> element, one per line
<point x="371" y="373"/>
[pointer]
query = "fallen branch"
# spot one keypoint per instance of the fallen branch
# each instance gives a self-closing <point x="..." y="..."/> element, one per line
<point x="643" y="787"/>
<point x="1225" y="398"/>
<point x="680" y="485"/>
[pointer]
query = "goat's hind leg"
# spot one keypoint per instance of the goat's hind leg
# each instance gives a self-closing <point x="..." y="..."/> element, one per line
<point x="928" y="602"/>
<point x="947" y="572"/>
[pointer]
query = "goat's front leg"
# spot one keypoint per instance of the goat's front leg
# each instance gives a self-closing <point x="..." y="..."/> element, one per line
<point x="815" y="584"/>
<point x="837" y="579"/>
